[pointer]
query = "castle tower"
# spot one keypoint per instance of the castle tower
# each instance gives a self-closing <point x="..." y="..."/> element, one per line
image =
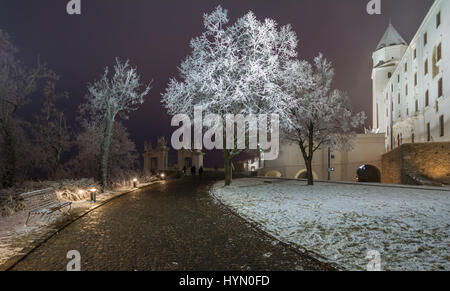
<point x="386" y="58"/>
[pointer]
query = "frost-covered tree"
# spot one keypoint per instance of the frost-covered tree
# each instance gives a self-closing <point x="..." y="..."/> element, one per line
<point x="234" y="69"/>
<point x="109" y="98"/>
<point x="17" y="83"/>
<point x="322" y="116"/>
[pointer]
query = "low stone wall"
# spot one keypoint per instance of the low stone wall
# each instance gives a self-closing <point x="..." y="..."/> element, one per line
<point x="417" y="164"/>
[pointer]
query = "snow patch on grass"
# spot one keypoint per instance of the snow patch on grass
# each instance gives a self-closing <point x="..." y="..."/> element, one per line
<point x="410" y="228"/>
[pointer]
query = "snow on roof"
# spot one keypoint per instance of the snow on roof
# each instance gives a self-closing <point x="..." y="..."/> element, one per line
<point x="391" y="37"/>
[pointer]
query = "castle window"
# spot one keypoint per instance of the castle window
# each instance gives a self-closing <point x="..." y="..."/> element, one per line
<point x="389" y="75"/>
<point x="417" y="105"/>
<point x="425" y="39"/>
<point x="435" y="67"/>
<point x="427" y="98"/>
<point x="428" y="132"/>
<point x="437" y="106"/>
<point x="398" y="98"/>
<point x="439" y="52"/>
<point x="426" y="67"/>
<point x="406" y="90"/>
<point x="441" y="125"/>
<point x="415" y="53"/>
<point x="398" y="78"/>
<point x="415" y="79"/>
<point x="407" y="111"/>
<point x="440" y="88"/>
<point x="406" y="67"/>
<point x="438" y="19"/>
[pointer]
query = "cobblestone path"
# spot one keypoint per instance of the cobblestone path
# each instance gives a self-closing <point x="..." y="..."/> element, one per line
<point x="169" y="226"/>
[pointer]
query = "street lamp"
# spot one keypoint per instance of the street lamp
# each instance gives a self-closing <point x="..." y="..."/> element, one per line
<point x="135" y="183"/>
<point x="329" y="163"/>
<point x="93" y="195"/>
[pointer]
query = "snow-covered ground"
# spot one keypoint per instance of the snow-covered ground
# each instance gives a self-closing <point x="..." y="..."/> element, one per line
<point x="16" y="237"/>
<point x="410" y="228"/>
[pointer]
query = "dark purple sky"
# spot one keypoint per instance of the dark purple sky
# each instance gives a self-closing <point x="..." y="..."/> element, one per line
<point x="155" y="34"/>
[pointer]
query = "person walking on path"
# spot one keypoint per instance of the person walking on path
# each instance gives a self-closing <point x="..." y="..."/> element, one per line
<point x="200" y="171"/>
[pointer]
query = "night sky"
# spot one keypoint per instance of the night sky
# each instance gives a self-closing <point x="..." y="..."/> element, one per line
<point x="155" y="36"/>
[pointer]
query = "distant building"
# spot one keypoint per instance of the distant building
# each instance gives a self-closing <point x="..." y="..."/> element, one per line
<point x="190" y="158"/>
<point x="411" y="92"/>
<point x="250" y="164"/>
<point x="156" y="160"/>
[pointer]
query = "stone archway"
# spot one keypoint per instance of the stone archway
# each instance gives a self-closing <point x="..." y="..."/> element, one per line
<point x="368" y="174"/>
<point x="302" y="174"/>
<point x="188" y="162"/>
<point x="153" y="164"/>
<point x="273" y="173"/>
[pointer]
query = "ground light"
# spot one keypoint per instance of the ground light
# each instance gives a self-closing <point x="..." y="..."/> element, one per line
<point x="93" y="194"/>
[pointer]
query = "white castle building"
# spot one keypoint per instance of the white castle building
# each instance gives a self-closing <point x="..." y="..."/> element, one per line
<point x="411" y="103"/>
<point x="411" y="91"/>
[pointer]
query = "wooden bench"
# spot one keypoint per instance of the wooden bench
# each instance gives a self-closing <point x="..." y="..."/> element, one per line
<point x="43" y="202"/>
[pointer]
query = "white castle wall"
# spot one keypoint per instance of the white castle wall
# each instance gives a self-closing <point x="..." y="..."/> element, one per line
<point x="406" y="122"/>
<point x="367" y="150"/>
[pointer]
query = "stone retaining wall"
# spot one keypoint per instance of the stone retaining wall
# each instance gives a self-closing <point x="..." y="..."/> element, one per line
<point x="420" y="163"/>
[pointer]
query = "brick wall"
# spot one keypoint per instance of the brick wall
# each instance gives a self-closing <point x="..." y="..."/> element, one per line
<point x="420" y="163"/>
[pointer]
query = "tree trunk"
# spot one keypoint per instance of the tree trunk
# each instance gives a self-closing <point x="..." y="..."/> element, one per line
<point x="104" y="154"/>
<point x="309" y="171"/>
<point x="228" y="168"/>
<point x="310" y="154"/>
<point x="8" y="152"/>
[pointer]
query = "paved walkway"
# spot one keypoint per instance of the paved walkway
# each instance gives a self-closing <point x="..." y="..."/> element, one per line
<point x="170" y="226"/>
